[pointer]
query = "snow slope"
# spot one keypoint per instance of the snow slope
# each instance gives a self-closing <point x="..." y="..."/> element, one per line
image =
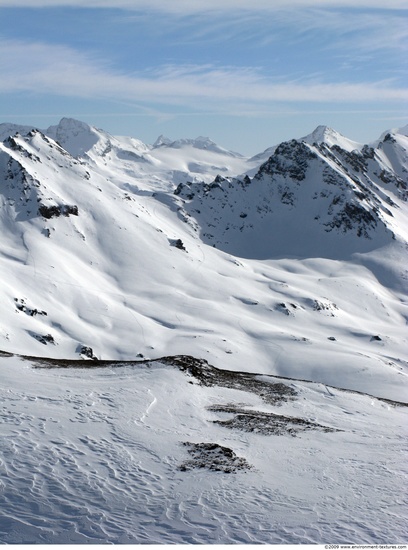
<point x="94" y="256"/>
<point x="177" y="452"/>
<point x="200" y="347"/>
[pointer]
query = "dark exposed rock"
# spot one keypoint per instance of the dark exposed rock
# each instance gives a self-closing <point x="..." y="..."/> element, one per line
<point x="265" y="423"/>
<point x="22" y="306"/>
<point x="54" y="211"/>
<point x="368" y="152"/>
<point x="353" y="217"/>
<point x="87" y="351"/>
<point x="354" y="158"/>
<point x="282" y="308"/>
<point x="177" y="243"/>
<point x="213" y="457"/>
<point x="290" y="159"/>
<point x="44" y="338"/>
<point x="179" y="188"/>
<point x="389" y="138"/>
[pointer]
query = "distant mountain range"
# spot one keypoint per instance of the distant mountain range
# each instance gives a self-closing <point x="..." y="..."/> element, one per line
<point x="292" y="262"/>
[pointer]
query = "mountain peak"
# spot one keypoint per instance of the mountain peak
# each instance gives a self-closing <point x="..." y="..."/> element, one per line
<point x="329" y="136"/>
<point x="200" y="142"/>
<point x="73" y="124"/>
<point x="392" y="131"/>
<point x="75" y="136"/>
<point x="322" y="132"/>
<point x="403" y="131"/>
<point x="162" y="141"/>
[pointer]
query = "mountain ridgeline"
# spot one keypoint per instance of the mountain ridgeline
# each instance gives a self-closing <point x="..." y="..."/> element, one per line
<point x="310" y="198"/>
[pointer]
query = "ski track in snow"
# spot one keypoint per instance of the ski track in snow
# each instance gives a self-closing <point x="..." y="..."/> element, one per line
<point x="93" y="456"/>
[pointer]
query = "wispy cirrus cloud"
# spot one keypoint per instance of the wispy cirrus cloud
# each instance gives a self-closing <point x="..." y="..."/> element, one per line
<point x="60" y="70"/>
<point x="360" y="25"/>
<point x="370" y="31"/>
<point x="335" y="28"/>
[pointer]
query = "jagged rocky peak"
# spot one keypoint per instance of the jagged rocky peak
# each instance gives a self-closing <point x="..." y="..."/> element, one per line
<point x="291" y="159"/>
<point x="322" y="134"/>
<point x="330" y="200"/>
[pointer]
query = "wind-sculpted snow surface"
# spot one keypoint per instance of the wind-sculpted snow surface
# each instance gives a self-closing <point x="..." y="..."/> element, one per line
<point x="99" y="452"/>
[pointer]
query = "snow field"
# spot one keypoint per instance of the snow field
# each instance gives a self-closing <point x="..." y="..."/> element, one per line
<point x="93" y="455"/>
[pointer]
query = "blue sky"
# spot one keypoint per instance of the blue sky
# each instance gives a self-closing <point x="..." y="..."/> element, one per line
<point x="246" y="73"/>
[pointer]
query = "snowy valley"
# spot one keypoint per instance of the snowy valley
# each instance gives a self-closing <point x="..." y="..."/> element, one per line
<point x="202" y="347"/>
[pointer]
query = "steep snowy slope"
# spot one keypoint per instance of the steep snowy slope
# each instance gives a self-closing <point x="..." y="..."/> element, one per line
<point x="307" y="201"/>
<point x="298" y="271"/>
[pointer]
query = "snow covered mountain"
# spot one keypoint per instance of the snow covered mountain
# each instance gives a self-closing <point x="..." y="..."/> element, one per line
<point x="304" y="260"/>
<point x="175" y="313"/>
<point x="343" y="202"/>
<point x="165" y="162"/>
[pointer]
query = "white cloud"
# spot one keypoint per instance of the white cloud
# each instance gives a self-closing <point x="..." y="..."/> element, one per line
<point x="60" y="70"/>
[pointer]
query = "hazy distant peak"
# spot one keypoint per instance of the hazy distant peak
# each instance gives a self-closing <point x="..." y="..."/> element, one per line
<point x="200" y="142"/>
<point x="73" y="124"/>
<point x="162" y="140"/>
<point x="75" y="136"/>
<point x="403" y="131"/>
